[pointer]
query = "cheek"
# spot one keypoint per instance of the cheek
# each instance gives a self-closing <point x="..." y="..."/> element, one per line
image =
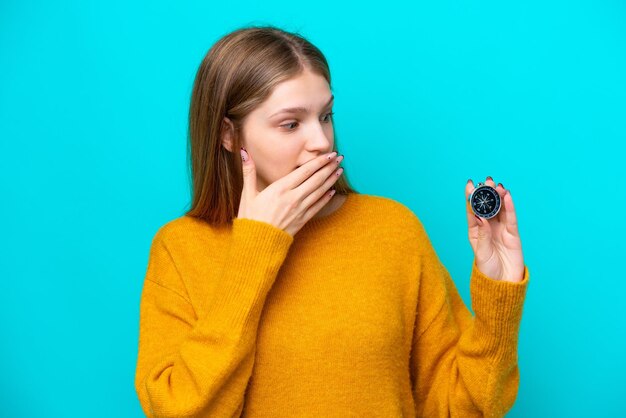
<point x="275" y="168"/>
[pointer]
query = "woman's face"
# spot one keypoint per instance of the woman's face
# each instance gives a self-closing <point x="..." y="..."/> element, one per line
<point x="291" y="127"/>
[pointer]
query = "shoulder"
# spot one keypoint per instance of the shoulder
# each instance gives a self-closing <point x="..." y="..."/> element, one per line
<point x="389" y="209"/>
<point x="192" y="245"/>
<point x="396" y="218"/>
<point x="187" y="231"/>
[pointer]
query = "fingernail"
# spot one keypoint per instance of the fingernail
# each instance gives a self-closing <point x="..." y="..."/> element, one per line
<point x="244" y="154"/>
<point x="469" y="180"/>
<point x="489" y="178"/>
<point x="501" y="185"/>
<point x="479" y="219"/>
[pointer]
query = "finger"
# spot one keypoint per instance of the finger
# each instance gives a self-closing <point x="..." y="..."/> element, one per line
<point x="501" y="216"/>
<point x="314" y="196"/>
<point x="318" y="205"/>
<point x="479" y="228"/>
<point x="306" y="170"/>
<point x="511" y="217"/>
<point x="507" y="214"/>
<point x="472" y="219"/>
<point x="249" y="175"/>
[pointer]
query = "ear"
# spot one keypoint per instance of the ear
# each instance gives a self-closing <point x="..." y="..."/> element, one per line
<point x="228" y="134"/>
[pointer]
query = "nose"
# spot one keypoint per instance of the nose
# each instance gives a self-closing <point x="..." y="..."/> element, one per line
<point x="319" y="139"/>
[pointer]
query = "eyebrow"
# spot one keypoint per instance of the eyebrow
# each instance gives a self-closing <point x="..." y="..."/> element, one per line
<point x="301" y="109"/>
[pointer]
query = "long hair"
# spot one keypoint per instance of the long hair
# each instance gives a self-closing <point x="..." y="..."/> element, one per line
<point x="237" y="74"/>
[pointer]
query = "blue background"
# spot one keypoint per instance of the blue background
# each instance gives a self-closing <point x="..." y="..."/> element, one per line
<point x="93" y="107"/>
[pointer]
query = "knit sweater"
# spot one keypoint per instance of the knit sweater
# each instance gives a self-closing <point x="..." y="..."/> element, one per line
<point x="354" y="316"/>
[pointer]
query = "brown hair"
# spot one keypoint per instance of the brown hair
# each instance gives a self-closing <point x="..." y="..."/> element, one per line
<point x="237" y="74"/>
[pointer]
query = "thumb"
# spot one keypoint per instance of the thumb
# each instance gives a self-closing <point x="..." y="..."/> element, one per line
<point x="484" y="244"/>
<point x="249" y="174"/>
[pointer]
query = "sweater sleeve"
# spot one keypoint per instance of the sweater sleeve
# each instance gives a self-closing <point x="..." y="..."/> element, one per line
<point x="200" y="367"/>
<point x="465" y="365"/>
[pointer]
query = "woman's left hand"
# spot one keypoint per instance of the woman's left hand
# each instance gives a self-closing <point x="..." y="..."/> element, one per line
<point x="496" y="241"/>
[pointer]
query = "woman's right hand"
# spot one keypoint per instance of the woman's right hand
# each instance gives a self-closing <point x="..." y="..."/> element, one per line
<point x="290" y="202"/>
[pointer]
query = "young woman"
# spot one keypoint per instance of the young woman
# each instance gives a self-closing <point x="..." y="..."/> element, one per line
<point x="274" y="297"/>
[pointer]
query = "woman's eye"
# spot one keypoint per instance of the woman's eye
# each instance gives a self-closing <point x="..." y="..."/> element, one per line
<point x="287" y="125"/>
<point x="290" y="126"/>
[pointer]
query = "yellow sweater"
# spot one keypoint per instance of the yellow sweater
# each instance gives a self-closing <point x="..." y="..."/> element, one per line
<point x="355" y="316"/>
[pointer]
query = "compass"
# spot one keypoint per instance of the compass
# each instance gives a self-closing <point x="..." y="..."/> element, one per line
<point x="485" y="201"/>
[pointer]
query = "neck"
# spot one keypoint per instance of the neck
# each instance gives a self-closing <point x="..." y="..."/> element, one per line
<point x="331" y="206"/>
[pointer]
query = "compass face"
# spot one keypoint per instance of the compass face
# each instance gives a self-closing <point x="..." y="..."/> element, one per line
<point x="485" y="202"/>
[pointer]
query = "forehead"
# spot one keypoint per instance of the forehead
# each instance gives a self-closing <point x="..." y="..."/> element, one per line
<point x="307" y="90"/>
